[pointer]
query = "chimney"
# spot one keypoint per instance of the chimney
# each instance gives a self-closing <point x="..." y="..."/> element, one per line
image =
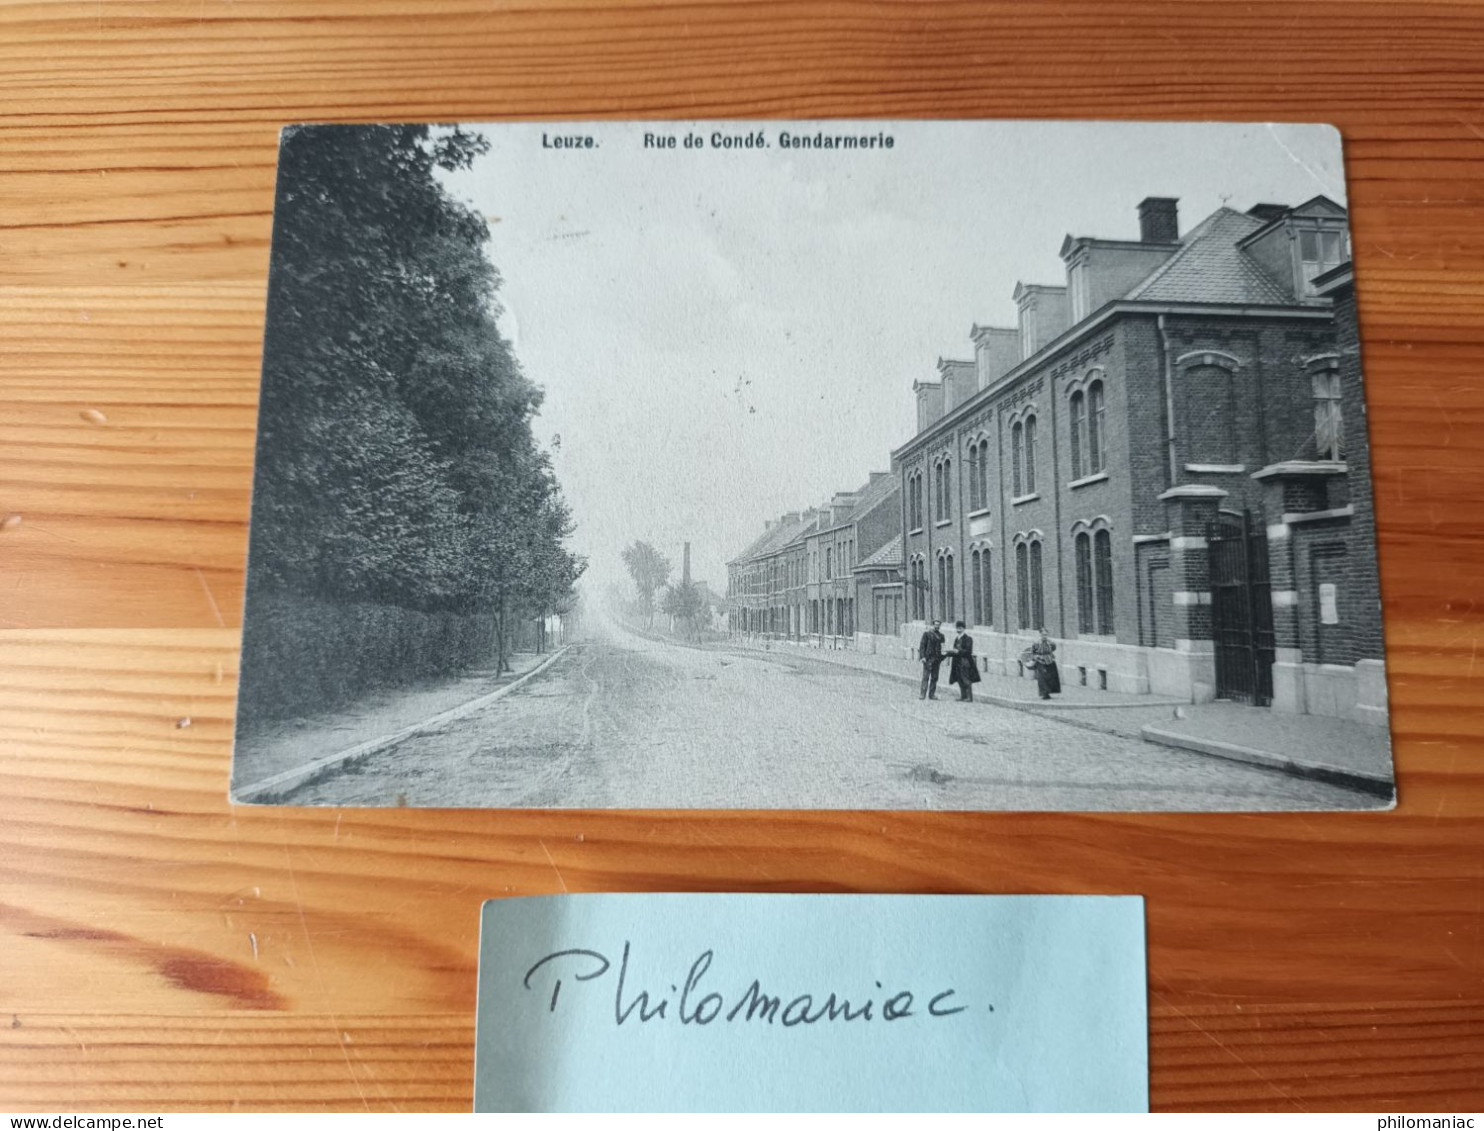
<point x="1159" y="219"/>
<point x="996" y="352"/>
<point x="841" y="506"/>
<point x="685" y="567"/>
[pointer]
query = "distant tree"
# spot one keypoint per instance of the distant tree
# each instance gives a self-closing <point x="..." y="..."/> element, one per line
<point x="650" y="569"/>
<point x="687" y="604"/>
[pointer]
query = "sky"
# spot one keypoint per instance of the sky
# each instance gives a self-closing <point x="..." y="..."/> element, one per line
<point x="725" y="335"/>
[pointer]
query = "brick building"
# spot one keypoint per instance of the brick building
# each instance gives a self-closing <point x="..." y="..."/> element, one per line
<point x="802" y="579"/>
<point x="766" y="582"/>
<point x="1163" y="463"/>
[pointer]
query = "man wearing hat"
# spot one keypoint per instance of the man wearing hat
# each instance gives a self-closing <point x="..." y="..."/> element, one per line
<point x="930" y="652"/>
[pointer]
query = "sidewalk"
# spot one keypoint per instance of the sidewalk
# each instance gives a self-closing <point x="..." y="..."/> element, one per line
<point x="296" y="743"/>
<point x="1351" y="754"/>
<point x="1002" y="691"/>
<point x="1339" y="751"/>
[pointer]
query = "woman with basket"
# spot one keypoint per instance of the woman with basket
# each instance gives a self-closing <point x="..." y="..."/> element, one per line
<point x="1041" y="656"/>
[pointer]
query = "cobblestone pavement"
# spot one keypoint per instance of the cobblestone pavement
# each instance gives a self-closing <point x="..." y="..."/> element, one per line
<point x="622" y="721"/>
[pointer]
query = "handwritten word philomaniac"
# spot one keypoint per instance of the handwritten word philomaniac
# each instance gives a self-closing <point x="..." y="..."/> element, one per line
<point x="694" y="1004"/>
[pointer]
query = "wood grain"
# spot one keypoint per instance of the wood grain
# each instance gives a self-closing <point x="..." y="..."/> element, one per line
<point x="163" y="950"/>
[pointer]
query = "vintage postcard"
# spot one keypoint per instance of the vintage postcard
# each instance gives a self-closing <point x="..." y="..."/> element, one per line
<point x="863" y="465"/>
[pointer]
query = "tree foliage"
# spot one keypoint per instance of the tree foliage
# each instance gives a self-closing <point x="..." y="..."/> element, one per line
<point x="687" y="604"/>
<point x="396" y="458"/>
<point x="649" y="569"/>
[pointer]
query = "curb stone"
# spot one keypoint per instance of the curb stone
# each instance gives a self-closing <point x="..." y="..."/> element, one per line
<point x="1235" y="752"/>
<point x="290" y="780"/>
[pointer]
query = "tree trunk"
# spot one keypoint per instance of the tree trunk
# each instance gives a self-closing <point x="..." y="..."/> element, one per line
<point x="503" y="664"/>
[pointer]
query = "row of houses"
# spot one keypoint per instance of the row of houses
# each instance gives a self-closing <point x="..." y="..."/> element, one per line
<point x="826" y="575"/>
<point x="1164" y="464"/>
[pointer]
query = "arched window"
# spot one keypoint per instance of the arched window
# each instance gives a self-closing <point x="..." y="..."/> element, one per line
<point x="948" y="590"/>
<point x="983" y="473"/>
<point x="947" y="490"/>
<point x="1023" y="584"/>
<point x="1102" y="554"/>
<point x="986" y="612"/>
<point x="1208" y="415"/>
<point x="1030" y="455"/>
<point x="1329" y="422"/>
<point x="942" y="588"/>
<point x="1096" y="448"/>
<point x="1084" y="583"/>
<point x="1038" y="592"/>
<point x="1079" y="426"/>
<point x="976" y="584"/>
<point x="1017" y="452"/>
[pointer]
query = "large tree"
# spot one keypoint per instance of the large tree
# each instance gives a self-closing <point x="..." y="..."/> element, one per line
<point x="396" y="458"/>
<point x="649" y="569"/>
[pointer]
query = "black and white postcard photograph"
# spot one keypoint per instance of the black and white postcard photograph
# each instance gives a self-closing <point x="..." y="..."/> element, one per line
<point x="813" y="465"/>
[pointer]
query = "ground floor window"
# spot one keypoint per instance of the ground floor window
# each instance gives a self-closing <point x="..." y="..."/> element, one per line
<point x="1037" y="587"/>
<point x="945" y="587"/>
<point x="1023" y="585"/>
<point x="1084" y="583"/>
<point x="976" y="585"/>
<point x="1102" y="557"/>
<point x="1094" y="553"/>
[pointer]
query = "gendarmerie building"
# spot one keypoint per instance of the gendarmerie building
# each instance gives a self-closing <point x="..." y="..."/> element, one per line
<point x="1164" y="465"/>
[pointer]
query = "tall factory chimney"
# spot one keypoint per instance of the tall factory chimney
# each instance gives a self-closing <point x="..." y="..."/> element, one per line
<point x="685" y="567"/>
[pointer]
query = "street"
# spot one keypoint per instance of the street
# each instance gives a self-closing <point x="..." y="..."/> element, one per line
<point x="622" y="721"/>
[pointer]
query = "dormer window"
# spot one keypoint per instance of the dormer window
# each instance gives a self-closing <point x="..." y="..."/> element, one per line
<point x="1077" y="280"/>
<point x="1027" y="332"/>
<point x="1320" y="251"/>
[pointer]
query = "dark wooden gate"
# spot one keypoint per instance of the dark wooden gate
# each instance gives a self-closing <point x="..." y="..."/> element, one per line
<point x="1241" y="609"/>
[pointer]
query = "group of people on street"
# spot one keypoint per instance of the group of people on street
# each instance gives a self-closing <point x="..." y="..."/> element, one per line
<point x="964" y="669"/>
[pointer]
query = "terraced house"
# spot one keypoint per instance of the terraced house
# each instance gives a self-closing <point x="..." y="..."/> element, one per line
<point x="1155" y="465"/>
<point x="807" y="575"/>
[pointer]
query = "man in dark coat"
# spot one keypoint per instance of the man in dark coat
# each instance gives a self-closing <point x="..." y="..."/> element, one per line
<point x="930" y="652"/>
<point x="964" y="671"/>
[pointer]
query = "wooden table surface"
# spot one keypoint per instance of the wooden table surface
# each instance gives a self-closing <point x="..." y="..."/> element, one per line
<point x="163" y="950"/>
